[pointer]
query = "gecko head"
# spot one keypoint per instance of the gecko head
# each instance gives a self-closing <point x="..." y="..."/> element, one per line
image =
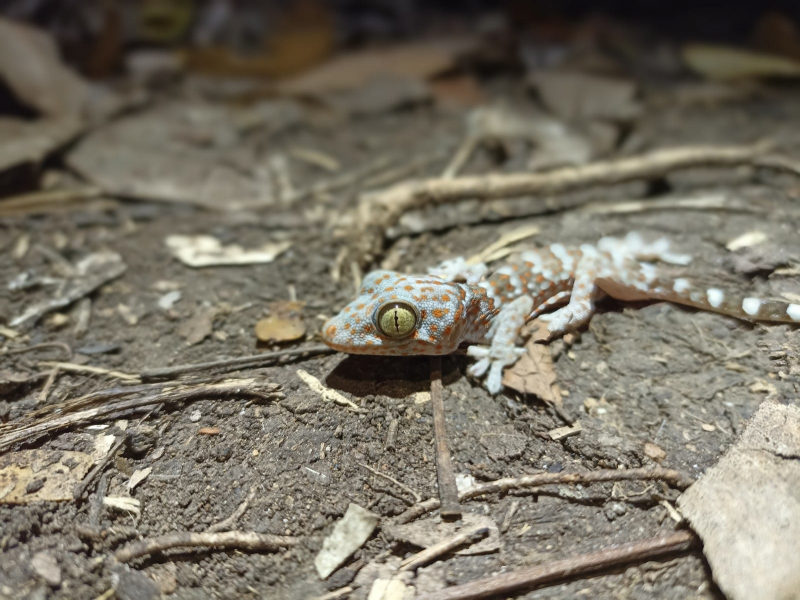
<point x="400" y="315"/>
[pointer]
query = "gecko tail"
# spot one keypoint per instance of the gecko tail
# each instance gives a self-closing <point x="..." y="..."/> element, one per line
<point x="748" y="308"/>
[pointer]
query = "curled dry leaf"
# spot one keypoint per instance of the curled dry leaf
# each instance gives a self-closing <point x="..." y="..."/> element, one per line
<point x="207" y="251"/>
<point x="284" y="323"/>
<point x="533" y="373"/>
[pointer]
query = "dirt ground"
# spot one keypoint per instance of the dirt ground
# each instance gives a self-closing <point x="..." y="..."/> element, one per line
<point x="681" y="380"/>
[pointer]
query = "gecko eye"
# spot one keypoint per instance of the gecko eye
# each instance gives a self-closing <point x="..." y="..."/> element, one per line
<point x="396" y="319"/>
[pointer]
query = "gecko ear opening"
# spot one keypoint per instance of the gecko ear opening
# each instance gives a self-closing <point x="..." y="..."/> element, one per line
<point x="396" y="319"/>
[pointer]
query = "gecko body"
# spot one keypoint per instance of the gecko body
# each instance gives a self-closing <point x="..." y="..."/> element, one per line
<point x="402" y="315"/>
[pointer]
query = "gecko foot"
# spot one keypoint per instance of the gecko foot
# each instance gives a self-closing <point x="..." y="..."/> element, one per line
<point x="568" y="318"/>
<point x="493" y="359"/>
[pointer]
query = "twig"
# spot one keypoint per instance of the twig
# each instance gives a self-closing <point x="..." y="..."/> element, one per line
<point x="96" y="510"/>
<point x="341" y="592"/>
<point x="74" y="368"/>
<point x="233" y="364"/>
<point x="238" y="388"/>
<point x="509" y="515"/>
<point x="241" y="540"/>
<point x="675" y="478"/>
<point x="379" y="211"/>
<point x="235" y="515"/>
<point x="45" y="346"/>
<point x="508" y="583"/>
<point x="448" y="491"/>
<point x="51" y="379"/>
<point x="443" y="547"/>
<point x="402" y="486"/>
<point x="84" y="485"/>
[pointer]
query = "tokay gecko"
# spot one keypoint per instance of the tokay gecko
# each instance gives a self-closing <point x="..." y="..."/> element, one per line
<point x="402" y="315"/>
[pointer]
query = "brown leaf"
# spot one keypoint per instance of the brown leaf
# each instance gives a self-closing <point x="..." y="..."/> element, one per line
<point x="208" y="431"/>
<point x="533" y="373"/>
<point x="199" y="326"/>
<point x="418" y="60"/>
<point x="284" y="324"/>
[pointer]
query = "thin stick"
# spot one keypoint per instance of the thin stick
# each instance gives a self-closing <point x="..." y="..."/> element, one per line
<point x="235" y="515"/>
<point x="240" y="540"/>
<point x="443" y="547"/>
<point x="74" y="368"/>
<point x="402" y="486"/>
<point x="51" y="379"/>
<point x="84" y="485"/>
<point x="583" y="564"/>
<point x="446" y="477"/>
<point x="233" y="364"/>
<point x="675" y="478"/>
<point x="381" y="210"/>
<point x="45" y="346"/>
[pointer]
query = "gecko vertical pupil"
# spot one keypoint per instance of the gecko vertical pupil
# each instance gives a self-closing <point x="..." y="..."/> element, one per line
<point x="396" y="320"/>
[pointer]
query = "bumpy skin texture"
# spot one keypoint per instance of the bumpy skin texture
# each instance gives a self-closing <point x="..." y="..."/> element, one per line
<point x="492" y="308"/>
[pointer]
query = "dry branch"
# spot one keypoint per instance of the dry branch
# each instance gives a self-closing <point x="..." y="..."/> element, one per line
<point x="240" y="540"/>
<point x="675" y="478"/>
<point x="508" y="583"/>
<point x="378" y="211"/>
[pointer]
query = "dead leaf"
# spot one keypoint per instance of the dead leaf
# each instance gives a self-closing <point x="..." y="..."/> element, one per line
<point x="348" y="535"/>
<point x="533" y="373"/>
<point x="380" y="94"/>
<point x="31" y="67"/>
<point x="284" y="323"/>
<point x="428" y="532"/>
<point x="418" y="60"/>
<point x="207" y="251"/>
<point x="24" y="142"/>
<point x="200" y="325"/>
<point x="458" y="91"/>
<point x="726" y="62"/>
<point x="654" y="452"/>
<point x="183" y="152"/>
<point x="138" y="476"/>
<point x="41" y="475"/>
<point x="578" y="96"/>
<point x="746" y="508"/>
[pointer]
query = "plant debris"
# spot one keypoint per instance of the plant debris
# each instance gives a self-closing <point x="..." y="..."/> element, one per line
<point x="207" y="251"/>
<point x="348" y="535"/>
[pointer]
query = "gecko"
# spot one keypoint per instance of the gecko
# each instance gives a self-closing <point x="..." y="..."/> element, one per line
<point x="456" y="302"/>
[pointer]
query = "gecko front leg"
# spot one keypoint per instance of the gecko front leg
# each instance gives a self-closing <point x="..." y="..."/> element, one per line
<point x="502" y="350"/>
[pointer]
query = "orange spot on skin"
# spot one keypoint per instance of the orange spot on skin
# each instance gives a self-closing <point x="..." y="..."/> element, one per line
<point x="539" y="278"/>
<point x="426" y="289"/>
<point x="408" y="288"/>
<point x="439" y="347"/>
<point x="361" y="306"/>
<point x="448" y="330"/>
<point x="445" y="298"/>
<point x="459" y="312"/>
<point x="393" y="297"/>
<point x="369" y="291"/>
<point x="331" y="331"/>
<point x="434" y="328"/>
<point x="515" y="267"/>
<point x="366" y="328"/>
<point x="389" y="289"/>
<point x="431" y="338"/>
<point x="529" y="264"/>
<point x="437" y="312"/>
<point x="346" y="309"/>
<point x="347" y="326"/>
<point x="493" y="283"/>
